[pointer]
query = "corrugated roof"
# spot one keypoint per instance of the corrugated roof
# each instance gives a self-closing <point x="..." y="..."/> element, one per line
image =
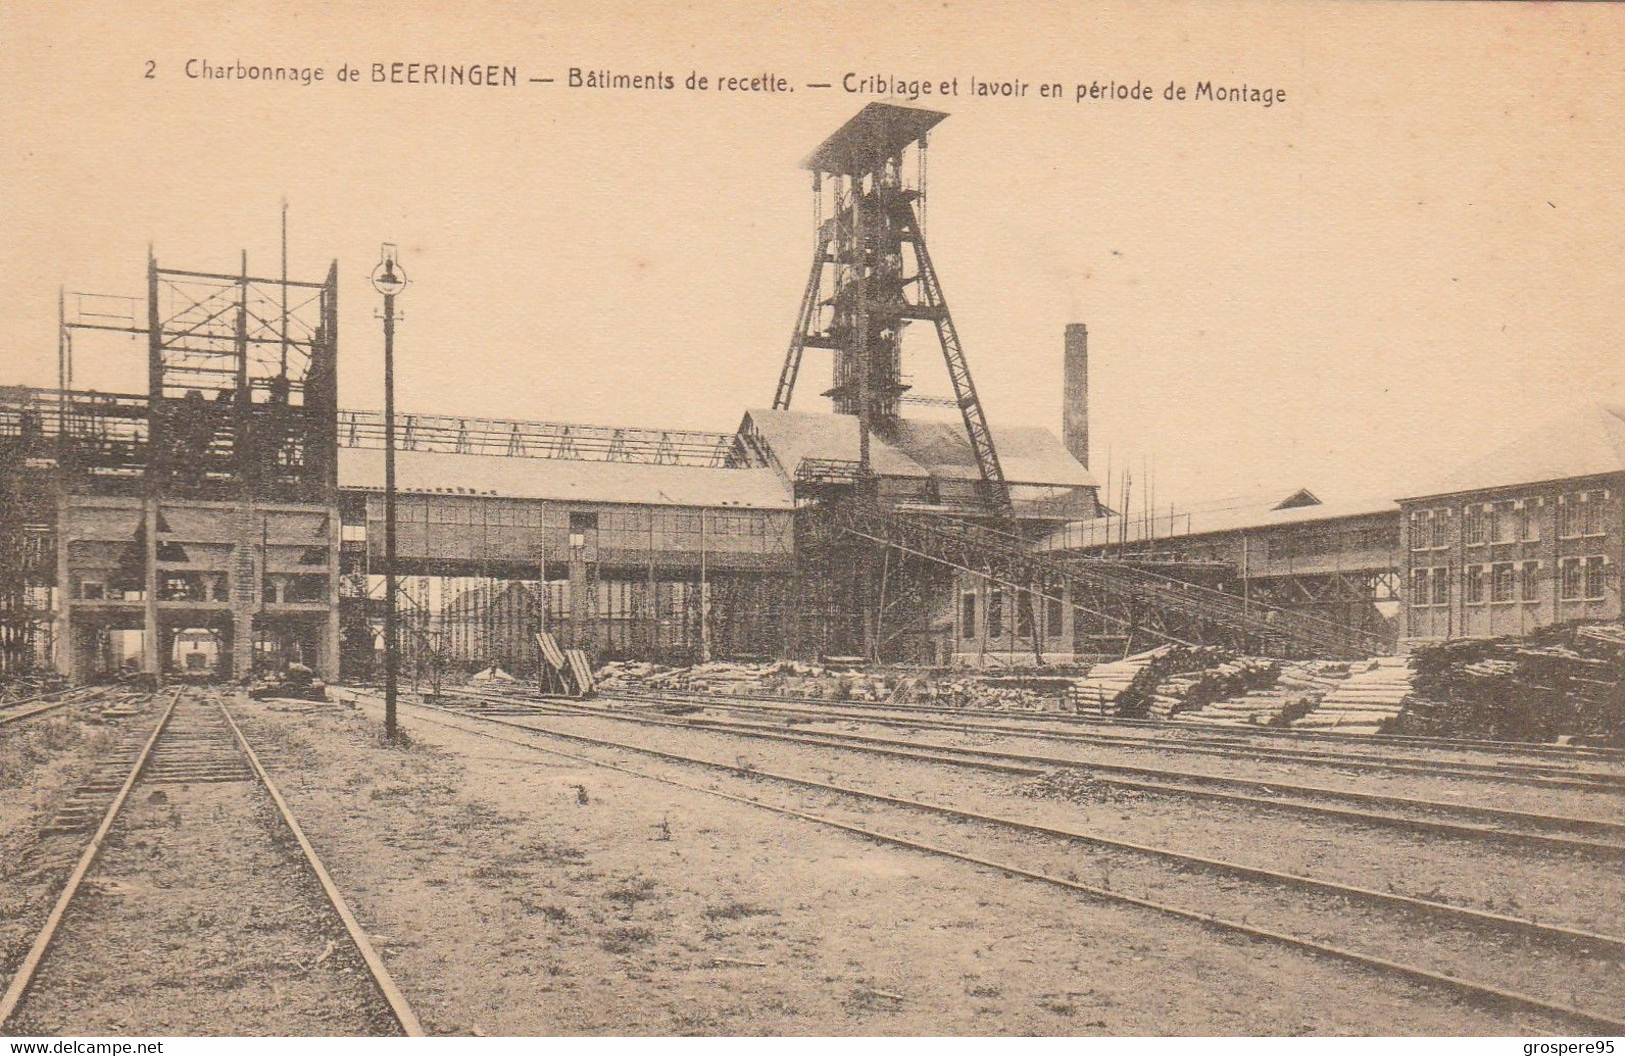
<point x="567" y="479"/>
<point x="870" y="136"/>
<point x="1247" y="513"/>
<point x="1028" y="454"/>
<point x="797" y="435"/>
<point x="1582" y="445"/>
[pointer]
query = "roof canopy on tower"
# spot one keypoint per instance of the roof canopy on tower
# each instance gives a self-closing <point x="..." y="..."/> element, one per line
<point x="875" y="133"/>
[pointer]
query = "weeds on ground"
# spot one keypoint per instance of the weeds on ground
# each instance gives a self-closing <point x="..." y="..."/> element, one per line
<point x="733" y="909"/>
<point x="629" y="893"/>
<point x="625" y="939"/>
<point x="35" y="743"/>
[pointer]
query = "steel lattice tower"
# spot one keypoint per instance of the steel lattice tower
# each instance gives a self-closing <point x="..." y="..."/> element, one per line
<point x="871" y="255"/>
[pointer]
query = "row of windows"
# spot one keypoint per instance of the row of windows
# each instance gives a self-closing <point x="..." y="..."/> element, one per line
<point x="997" y="625"/>
<point x="474" y="512"/>
<point x="1578" y="579"/>
<point x="1581" y="513"/>
<point x="1319" y="542"/>
<point x="1584" y="513"/>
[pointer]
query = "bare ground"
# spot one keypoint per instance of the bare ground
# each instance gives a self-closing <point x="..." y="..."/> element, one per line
<point x="517" y="892"/>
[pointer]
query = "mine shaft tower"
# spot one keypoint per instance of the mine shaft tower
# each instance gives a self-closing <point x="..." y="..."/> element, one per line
<point x="871" y="256"/>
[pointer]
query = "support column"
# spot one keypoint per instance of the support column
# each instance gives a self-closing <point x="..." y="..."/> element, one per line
<point x="65" y="659"/>
<point x="149" y="637"/>
<point x="327" y="660"/>
<point x="246" y="571"/>
<point x="579" y="616"/>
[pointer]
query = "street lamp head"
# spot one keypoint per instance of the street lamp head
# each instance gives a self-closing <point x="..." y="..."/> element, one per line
<point x="389" y="278"/>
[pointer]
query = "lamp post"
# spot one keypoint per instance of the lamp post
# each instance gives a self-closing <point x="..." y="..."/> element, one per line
<point x="389" y="279"/>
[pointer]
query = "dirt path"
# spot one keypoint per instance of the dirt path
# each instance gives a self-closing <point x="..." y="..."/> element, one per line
<point x="520" y="893"/>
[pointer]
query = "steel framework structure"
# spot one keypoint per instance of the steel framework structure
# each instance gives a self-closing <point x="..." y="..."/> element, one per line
<point x="868" y="249"/>
<point x="511" y="438"/>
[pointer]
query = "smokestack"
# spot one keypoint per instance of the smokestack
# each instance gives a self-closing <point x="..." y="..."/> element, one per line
<point x="1075" y="386"/>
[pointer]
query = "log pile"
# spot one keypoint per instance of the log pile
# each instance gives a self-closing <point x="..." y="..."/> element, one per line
<point x="1129" y="687"/>
<point x="1299" y="687"/>
<point x="1562" y="681"/>
<point x="1193" y="690"/>
<point x="1368" y="701"/>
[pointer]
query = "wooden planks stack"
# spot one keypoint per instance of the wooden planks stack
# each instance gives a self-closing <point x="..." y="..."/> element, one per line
<point x="1374" y="694"/>
<point x="1298" y="688"/>
<point x="1101" y="692"/>
<point x="1192" y="690"/>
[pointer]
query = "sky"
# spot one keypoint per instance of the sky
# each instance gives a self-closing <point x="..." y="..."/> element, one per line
<point x="1416" y="255"/>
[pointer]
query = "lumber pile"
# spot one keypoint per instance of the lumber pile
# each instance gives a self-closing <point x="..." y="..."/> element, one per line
<point x="1562" y="681"/>
<point x="1371" y="698"/>
<point x="1192" y="690"/>
<point x="1130" y="687"/>
<point x="1299" y="686"/>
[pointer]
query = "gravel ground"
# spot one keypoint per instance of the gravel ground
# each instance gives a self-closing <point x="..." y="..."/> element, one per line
<point x="1574" y="889"/>
<point x="200" y="917"/>
<point x="42" y="763"/>
<point x="1438" y="788"/>
<point x="1173" y="735"/>
<point x="1583" y="978"/>
<point x="532" y="894"/>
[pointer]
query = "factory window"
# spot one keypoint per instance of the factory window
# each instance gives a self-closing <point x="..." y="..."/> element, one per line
<point x="1419" y="587"/>
<point x="1441" y="586"/>
<point x="582" y="522"/>
<point x="995" y="614"/>
<point x="1441" y="529"/>
<point x="1503" y="582"/>
<point x="1581" y="513"/>
<point x="1421" y="530"/>
<point x="1503" y="522"/>
<point x="1570" y="578"/>
<point x="1591" y="519"/>
<point x="1474" y="525"/>
<point x="1054" y="621"/>
<point x="1474" y="586"/>
<point x="1531" y="581"/>
<point x="1024" y="615"/>
<point x="91" y="591"/>
<point x="1528" y="521"/>
<point x="967" y="616"/>
<point x="1594" y="577"/>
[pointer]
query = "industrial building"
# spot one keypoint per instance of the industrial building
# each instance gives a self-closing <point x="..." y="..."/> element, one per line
<point x="229" y="518"/>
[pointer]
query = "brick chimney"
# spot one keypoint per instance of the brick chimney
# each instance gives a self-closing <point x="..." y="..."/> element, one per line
<point x="1075" y="387"/>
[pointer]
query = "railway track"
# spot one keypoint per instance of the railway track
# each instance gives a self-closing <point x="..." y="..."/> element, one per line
<point x="1540" y="775"/>
<point x="194" y="743"/>
<point x="18" y="711"/>
<point x="1556" y="971"/>
<point x="1183" y="732"/>
<point x="1599" y="837"/>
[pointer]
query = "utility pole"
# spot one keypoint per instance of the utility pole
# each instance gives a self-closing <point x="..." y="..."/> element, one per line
<point x="389" y="280"/>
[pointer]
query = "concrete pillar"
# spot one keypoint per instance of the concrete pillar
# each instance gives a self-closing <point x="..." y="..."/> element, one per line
<point x="580" y="618"/>
<point x="1075" y="386"/>
<point x="149" y="639"/>
<point x="246" y="572"/>
<point x="66" y="659"/>
<point x="327" y="659"/>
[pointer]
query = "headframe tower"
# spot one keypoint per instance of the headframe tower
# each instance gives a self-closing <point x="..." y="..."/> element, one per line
<point x="871" y="257"/>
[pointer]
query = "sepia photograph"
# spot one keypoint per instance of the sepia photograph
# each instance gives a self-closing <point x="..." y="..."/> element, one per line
<point x="914" y="520"/>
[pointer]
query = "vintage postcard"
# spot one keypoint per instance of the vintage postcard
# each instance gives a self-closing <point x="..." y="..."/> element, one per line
<point x="835" y="519"/>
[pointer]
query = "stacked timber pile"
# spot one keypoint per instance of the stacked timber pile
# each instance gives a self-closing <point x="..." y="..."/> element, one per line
<point x="1192" y="690"/>
<point x="1371" y="698"/>
<point x="1562" y="681"/>
<point x="1299" y="686"/>
<point x="784" y="678"/>
<point x="1129" y="687"/>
